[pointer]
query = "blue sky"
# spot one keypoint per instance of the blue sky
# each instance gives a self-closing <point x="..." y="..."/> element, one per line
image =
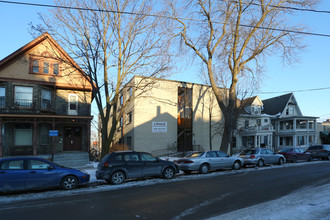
<point x="311" y="72"/>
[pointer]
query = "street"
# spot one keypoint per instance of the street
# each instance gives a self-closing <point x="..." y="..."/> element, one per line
<point x="189" y="199"/>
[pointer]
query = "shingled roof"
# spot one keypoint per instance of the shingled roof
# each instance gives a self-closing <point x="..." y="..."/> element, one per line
<point x="277" y="104"/>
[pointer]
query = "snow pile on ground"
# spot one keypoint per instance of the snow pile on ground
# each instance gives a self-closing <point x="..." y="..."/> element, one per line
<point x="304" y="204"/>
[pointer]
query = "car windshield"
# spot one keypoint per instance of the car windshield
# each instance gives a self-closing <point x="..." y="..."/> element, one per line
<point x="198" y="154"/>
<point x="315" y="148"/>
<point x="249" y="152"/>
<point x="285" y="150"/>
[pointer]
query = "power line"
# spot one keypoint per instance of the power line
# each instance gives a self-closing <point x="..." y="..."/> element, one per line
<point x="302" y="90"/>
<point x="285" y="7"/>
<point x="158" y="16"/>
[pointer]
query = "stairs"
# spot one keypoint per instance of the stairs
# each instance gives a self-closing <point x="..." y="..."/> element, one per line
<point x="73" y="159"/>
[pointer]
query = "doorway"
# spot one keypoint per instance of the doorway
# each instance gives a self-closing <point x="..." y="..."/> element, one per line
<point x="72" y="139"/>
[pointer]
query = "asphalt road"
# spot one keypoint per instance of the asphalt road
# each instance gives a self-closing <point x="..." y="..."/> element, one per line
<point x="190" y="199"/>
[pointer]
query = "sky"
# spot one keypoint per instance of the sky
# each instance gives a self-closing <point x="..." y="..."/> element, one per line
<point x="311" y="72"/>
<point x="310" y="202"/>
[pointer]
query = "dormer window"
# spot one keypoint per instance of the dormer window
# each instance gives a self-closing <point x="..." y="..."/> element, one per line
<point x="290" y="110"/>
<point x="44" y="66"/>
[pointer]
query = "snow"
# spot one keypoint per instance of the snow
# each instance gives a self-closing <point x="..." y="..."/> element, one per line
<point x="297" y="204"/>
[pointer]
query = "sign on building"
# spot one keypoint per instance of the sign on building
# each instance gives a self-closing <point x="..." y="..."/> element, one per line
<point x="53" y="133"/>
<point x="159" y="127"/>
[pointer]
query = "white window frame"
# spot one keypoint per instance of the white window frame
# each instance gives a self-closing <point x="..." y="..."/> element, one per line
<point x="72" y="111"/>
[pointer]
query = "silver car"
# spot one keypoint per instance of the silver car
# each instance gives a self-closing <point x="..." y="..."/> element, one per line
<point x="209" y="160"/>
<point x="261" y="156"/>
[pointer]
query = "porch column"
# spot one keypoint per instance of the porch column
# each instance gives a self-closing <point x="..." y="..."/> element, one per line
<point x="1" y="155"/>
<point x="53" y="140"/>
<point x="88" y="136"/>
<point x="34" y="137"/>
<point x="255" y="141"/>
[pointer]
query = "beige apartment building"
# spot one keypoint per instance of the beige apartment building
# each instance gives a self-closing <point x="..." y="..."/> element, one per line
<point x="168" y="115"/>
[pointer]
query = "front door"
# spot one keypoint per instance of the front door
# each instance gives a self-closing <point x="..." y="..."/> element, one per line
<point x="72" y="139"/>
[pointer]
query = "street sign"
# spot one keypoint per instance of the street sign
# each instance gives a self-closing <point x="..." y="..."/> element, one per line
<point x="53" y="133"/>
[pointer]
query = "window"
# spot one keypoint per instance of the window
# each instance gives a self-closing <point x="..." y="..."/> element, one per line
<point x="221" y="154"/>
<point x="259" y="122"/>
<point x="38" y="165"/>
<point x="35" y="66"/>
<point x="23" y="135"/>
<point x="129" y="118"/>
<point x="12" y="165"/>
<point x="44" y="66"/>
<point x="23" y="96"/>
<point x="148" y="158"/>
<point x="121" y="100"/>
<point x="131" y="157"/>
<point x="45" y="99"/>
<point x="266" y="120"/>
<point x="211" y="154"/>
<point x="44" y="134"/>
<point x="56" y="68"/>
<point x="121" y="121"/>
<point x="2" y="97"/>
<point x="73" y="104"/>
<point x="301" y="140"/>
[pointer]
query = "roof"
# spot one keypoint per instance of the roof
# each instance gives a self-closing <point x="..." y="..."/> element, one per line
<point x="45" y="36"/>
<point x="277" y="104"/>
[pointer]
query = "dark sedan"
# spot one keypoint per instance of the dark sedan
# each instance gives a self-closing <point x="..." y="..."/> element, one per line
<point x="27" y="173"/>
<point x="118" y="166"/>
<point x="295" y="154"/>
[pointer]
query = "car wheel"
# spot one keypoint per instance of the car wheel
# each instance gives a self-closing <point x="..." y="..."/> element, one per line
<point x="260" y="163"/>
<point x="117" y="177"/>
<point x="69" y="182"/>
<point x="168" y="173"/>
<point x="280" y="161"/>
<point x="237" y="165"/>
<point x="310" y="159"/>
<point x="328" y="157"/>
<point x="294" y="159"/>
<point x="204" y="168"/>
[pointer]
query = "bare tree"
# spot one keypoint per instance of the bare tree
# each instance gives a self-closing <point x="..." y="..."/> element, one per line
<point x="232" y="38"/>
<point x="111" y="40"/>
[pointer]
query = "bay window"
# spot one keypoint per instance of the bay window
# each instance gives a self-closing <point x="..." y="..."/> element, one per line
<point x="23" y="96"/>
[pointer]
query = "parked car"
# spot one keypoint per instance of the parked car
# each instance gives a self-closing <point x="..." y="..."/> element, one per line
<point x="295" y="154"/>
<point x="27" y="173"/>
<point x="320" y="151"/>
<point x="261" y="156"/>
<point x="209" y="160"/>
<point x="118" y="166"/>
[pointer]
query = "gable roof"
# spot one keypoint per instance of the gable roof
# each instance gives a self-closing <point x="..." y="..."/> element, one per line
<point x="277" y="104"/>
<point x="44" y="37"/>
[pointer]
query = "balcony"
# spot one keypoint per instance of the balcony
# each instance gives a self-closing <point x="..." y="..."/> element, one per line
<point x="23" y="103"/>
<point x="255" y="129"/>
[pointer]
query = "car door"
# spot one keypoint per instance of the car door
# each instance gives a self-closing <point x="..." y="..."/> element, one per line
<point x="264" y="156"/>
<point x="12" y="175"/>
<point x="151" y="166"/>
<point x="272" y="157"/>
<point x="133" y="165"/>
<point x="225" y="160"/>
<point x="214" y="160"/>
<point x="40" y="174"/>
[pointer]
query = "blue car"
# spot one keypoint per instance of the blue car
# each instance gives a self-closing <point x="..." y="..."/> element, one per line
<point x="28" y="173"/>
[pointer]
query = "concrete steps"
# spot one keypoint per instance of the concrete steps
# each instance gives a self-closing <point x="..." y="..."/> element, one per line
<point x="73" y="159"/>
